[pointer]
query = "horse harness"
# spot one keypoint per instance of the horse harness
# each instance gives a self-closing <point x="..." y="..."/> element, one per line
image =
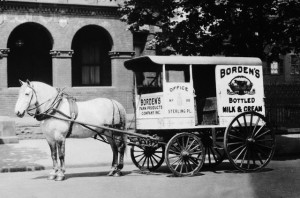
<point x="54" y="108"/>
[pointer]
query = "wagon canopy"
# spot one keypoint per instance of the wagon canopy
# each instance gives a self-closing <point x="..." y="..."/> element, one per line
<point x="155" y="61"/>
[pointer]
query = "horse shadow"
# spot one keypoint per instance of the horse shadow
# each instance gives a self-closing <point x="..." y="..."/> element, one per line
<point x="85" y="174"/>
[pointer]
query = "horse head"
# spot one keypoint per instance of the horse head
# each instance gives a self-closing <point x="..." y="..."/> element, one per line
<point x="27" y="97"/>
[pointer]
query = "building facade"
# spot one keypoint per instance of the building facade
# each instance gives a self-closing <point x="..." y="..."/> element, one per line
<point x="79" y="45"/>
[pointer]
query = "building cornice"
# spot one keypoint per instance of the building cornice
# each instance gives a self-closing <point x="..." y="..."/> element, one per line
<point x="121" y="54"/>
<point x="61" y="53"/>
<point x="57" y="9"/>
<point x="4" y="52"/>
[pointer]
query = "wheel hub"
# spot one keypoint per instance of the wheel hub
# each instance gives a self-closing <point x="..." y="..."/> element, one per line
<point x="251" y="140"/>
<point x="185" y="155"/>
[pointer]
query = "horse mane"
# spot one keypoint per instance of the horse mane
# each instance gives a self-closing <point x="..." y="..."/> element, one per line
<point x="43" y="88"/>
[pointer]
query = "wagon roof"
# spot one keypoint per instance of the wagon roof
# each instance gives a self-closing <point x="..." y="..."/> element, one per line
<point x="154" y="61"/>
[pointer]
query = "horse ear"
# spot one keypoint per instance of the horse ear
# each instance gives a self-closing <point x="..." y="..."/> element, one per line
<point x="28" y="82"/>
<point x="21" y="82"/>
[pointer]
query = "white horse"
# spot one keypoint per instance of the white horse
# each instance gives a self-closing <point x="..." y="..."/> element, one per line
<point x="45" y="100"/>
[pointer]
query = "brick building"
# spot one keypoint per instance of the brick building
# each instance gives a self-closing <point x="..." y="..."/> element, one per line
<point x="77" y="44"/>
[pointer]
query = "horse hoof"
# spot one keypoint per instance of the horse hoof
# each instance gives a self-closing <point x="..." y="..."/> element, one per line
<point x="51" y="177"/>
<point x="60" y="178"/>
<point x="118" y="174"/>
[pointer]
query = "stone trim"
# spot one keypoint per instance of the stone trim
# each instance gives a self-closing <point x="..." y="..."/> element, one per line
<point x="4" y="52"/>
<point x="121" y="54"/>
<point x="58" y="9"/>
<point x="61" y="53"/>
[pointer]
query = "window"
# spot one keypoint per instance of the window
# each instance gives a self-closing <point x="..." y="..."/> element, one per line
<point x="149" y="82"/>
<point x="274" y="67"/>
<point x="295" y="65"/>
<point x="91" y="64"/>
<point x="177" y="73"/>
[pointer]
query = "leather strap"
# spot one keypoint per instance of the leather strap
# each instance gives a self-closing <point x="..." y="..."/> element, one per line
<point x="73" y="113"/>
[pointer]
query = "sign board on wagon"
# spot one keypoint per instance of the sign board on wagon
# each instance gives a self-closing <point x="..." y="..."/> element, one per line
<point x="239" y="89"/>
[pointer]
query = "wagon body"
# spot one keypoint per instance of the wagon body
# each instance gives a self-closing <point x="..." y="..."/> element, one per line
<point x="178" y="92"/>
<point x="204" y="108"/>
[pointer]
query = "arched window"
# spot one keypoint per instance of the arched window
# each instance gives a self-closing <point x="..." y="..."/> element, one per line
<point x="91" y="65"/>
<point x="29" y="57"/>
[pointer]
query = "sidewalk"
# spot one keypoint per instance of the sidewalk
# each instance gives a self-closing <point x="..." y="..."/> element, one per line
<point x="34" y="154"/>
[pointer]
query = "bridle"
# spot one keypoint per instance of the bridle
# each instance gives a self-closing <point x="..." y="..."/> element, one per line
<point x="36" y="114"/>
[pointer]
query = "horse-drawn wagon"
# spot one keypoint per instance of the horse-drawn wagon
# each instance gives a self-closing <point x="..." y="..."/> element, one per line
<point x="189" y="111"/>
<point x="204" y="109"/>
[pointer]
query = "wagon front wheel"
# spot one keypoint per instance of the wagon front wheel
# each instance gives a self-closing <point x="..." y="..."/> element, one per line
<point x="249" y="142"/>
<point x="148" y="157"/>
<point x="185" y="154"/>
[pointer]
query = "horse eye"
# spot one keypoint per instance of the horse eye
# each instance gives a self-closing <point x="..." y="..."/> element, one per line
<point x="26" y="94"/>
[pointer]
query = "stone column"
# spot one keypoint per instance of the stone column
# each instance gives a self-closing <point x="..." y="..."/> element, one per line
<point x="3" y="67"/>
<point x="62" y="68"/>
<point x="121" y="77"/>
<point x="7" y="125"/>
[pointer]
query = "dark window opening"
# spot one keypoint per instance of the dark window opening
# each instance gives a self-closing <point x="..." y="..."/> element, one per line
<point x="91" y="64"/>
<point x="29" y="57"/>
<point x="149" y="81"/>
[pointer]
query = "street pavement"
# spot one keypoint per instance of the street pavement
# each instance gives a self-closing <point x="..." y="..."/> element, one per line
<point x="34" y="154"/>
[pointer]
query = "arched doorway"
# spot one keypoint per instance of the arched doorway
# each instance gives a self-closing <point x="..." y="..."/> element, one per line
<point x="91" y="65"/>
<point x="29" y="57"/>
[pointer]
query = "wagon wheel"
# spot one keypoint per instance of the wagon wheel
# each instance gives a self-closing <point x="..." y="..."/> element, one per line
<point x="148" y="157"/>
<point x="249" y="142"/>
<point x="214" y="154"/>
<point x="185" y="154"/>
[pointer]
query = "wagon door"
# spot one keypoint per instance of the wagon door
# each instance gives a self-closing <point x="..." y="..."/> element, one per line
<point x="239" y="89"/>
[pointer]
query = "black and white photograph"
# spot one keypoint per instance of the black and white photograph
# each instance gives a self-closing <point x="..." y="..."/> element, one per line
<point x="149" y="98"/>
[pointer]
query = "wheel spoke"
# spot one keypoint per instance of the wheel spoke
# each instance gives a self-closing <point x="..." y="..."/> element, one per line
<point x="239" y="154"/>
<point x="190" y="145"/>
<point x="261" y="127"/>
<point x="262" y="134"/>
<point x="264" y="146"/>
<point x="150" y="158"/>
<point x="256" y="124"/>
<point x="233" y="136"/>
<point x="136" y="156"/>
<point x="195" y="147"/>
<point x="236" y="149"/>
<point x="242" y="162"/>
<point x="141" y="159"/>
<point x="187" y="143"/>
<point x="235" y="143"/>
<point x="155" y="159"/>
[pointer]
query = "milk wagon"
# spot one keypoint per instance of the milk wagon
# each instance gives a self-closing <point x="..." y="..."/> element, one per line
<point x="199" y="110"/>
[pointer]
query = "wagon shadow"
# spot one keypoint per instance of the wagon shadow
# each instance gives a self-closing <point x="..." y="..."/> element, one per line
<point x="225" y="167"/>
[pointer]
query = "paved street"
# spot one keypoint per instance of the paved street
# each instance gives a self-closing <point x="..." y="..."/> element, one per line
<point x="281" y="178"/>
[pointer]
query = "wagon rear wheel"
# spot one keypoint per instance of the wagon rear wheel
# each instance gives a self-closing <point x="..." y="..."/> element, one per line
<point x="249" y="142"/>
<point x="185" y="154"/>
<point x="148" y="157"/>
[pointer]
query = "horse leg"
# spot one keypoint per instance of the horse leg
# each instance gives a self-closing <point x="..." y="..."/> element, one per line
<point x="120" y="149"/>
<point x="61" y="154"/>
<point x="114" y="166"/>
<point x="53" y="149"/>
